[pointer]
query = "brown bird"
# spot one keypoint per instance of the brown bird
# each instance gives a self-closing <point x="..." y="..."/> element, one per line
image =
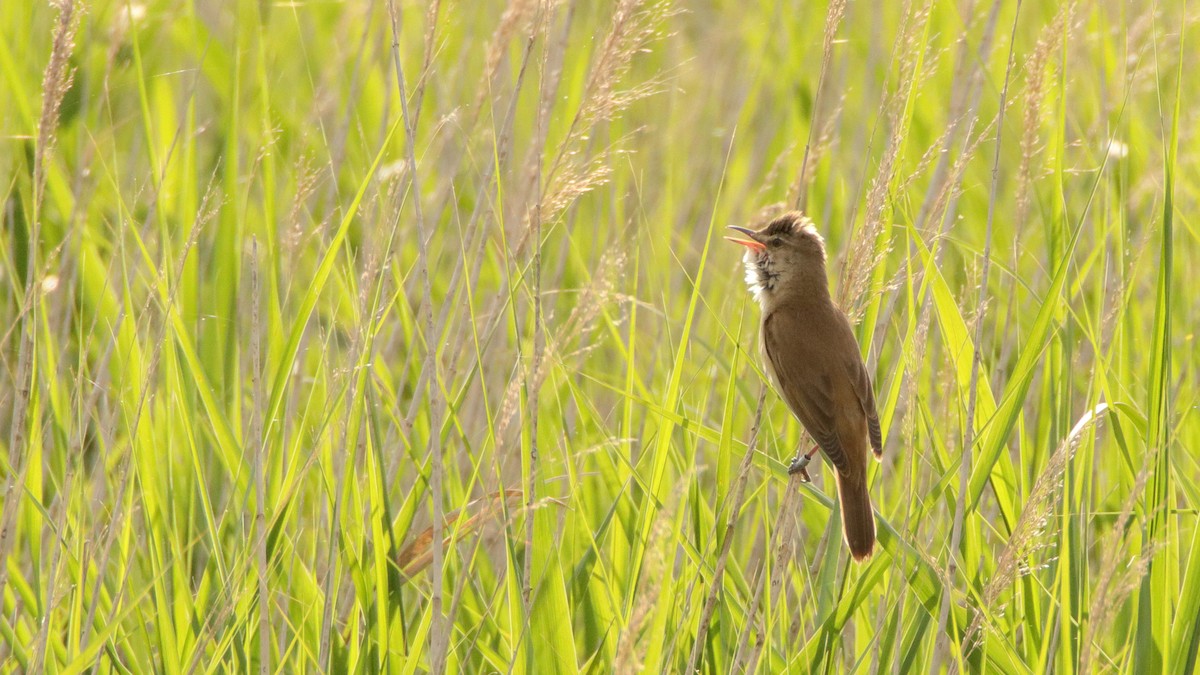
<point x="815" y="362"/>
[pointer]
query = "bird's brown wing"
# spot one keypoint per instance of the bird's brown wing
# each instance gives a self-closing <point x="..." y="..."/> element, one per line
<point x="866" y="398"/>
<point x="805" y="379"/>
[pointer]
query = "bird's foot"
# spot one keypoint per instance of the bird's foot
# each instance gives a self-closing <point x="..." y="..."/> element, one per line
<point x="799" y="465"/>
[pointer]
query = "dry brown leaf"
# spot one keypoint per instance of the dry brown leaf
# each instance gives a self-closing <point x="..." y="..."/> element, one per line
<point x="417" y="555"/>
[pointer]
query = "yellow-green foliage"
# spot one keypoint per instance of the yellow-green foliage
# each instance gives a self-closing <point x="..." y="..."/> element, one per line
<point x="400" y="336"/>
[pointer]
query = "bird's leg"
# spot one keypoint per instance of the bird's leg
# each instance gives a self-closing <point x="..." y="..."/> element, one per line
<point x="799" y="465"/>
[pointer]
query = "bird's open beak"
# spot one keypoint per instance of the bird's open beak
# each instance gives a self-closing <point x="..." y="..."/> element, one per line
<point x="752" y="243"/>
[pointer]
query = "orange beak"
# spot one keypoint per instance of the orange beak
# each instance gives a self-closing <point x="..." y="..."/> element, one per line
<point x="752" y="243"/>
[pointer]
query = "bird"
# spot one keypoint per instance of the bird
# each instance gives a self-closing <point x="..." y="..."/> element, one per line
<point x="814" y="361"/>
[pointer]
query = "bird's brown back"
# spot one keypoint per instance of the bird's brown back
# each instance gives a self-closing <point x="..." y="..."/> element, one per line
<point x="814" y="359"/>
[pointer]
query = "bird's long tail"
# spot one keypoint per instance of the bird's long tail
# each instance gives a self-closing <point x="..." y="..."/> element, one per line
<point x="858" y="521"/>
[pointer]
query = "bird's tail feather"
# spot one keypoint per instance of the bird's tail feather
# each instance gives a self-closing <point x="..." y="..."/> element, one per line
<point x="858" y="520"/>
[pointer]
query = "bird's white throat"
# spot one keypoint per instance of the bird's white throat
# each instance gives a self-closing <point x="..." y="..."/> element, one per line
<point x="761" y="275"/>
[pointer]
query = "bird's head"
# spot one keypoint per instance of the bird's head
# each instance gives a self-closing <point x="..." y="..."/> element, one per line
<point x="779" y="255"/>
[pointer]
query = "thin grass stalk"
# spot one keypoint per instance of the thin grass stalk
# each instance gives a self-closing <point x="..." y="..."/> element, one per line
<point x="354" y="422"/>
<point x="740" y="658"/>
<point x="540" y="24"/>
<point x="629" y="31"/>
<point x="1113" y="586"/>
<point x="58" y="529"/>
<point x="1030" y="525"/>
<point x="629" y="659"/>
<point x="208" y="211"/>
<point x="341" y="132"/>
<point x="56" y="80"/>
<point x="260" y="460"/>
<point x="439" y="638"/>
<point x="941" y="200"/>
<point x="785" y="523"/>
<point x="833" y="20"/>
<point x="503" y="149"/>
<point x="530" y="372"/>
<point x="865" y="252"/>
<point x="1153" y="649"/>
<point x="964" y="467"/>
<point x="493" y="169"/>
<point x="963" y="102"/>
<point x="735" y="507"/>
<point x="431" y="20"/>
<point x="331" y="586"/>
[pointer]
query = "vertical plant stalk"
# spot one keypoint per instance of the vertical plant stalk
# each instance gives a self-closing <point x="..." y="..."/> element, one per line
<point x="431" y="18"/>
<point x="534" y="369"/>
<point x="833" y="19"/>
<point x="563" y="178"/>
<point x="941" y="196"/>
<point x="352" y="444"/>
<point x="1181" y="629"/>
<point x="113" y="528"/>
<point x="438" y="635"/>
<point x="447" y="316"/>
<point x="1113" y="585"/>
<point x="260" y="459"/>
<point x="330" y="586"/>
<point x="1026" y="536"/>
<point x="964" y="467"/>
<point x="59" y="530"/>
<point x="532" y="398"/>
<point x="56" y="80"/>
<point x="964" y="102"/>
<point x="735" y="507"/>
<point x="1154" y="648"/>
<point x="789" y="513"/>
<point x="448" y="313"/>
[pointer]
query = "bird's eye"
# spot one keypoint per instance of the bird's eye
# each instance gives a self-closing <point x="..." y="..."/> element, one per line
<point x="774" y="241"/>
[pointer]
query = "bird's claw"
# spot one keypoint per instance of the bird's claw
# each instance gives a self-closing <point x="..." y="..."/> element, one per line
<point x="799" y="465"/>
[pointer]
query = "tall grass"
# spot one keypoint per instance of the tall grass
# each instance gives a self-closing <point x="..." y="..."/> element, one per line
<point x="400" y="336"/>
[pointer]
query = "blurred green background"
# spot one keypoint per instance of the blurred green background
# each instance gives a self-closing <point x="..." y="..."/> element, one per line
<point x="398" y="336"/>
